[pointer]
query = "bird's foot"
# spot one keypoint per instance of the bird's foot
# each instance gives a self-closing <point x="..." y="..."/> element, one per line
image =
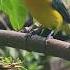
<point x="50" y="35"/>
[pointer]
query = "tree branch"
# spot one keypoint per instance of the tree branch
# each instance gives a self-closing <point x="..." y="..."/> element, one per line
<point x="35" y="43"/>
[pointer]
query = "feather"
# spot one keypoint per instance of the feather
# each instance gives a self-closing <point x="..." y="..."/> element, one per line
<point x="63" y="7"/>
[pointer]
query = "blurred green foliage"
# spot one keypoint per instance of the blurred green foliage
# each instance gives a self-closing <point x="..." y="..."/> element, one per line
<point x="27" y="60"/>
<point x="16" y="11"/>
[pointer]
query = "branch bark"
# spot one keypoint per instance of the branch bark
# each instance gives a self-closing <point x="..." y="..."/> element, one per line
<point x="35" y="43"/>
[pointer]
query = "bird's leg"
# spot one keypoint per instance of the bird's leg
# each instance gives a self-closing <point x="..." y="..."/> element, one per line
<point x="50" y="36"/>
<point x="42" y="30"/>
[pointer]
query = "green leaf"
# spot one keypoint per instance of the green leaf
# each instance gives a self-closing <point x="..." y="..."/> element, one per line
<point x="16" y="10"/>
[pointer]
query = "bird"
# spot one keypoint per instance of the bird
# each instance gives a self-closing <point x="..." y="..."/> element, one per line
<point x="51" y="14"/>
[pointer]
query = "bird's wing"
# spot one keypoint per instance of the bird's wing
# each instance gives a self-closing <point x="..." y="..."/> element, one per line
<point x="63" y="6"/>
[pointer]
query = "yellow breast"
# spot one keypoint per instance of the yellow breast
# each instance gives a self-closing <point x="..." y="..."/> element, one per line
<point x="45" y="14"/>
